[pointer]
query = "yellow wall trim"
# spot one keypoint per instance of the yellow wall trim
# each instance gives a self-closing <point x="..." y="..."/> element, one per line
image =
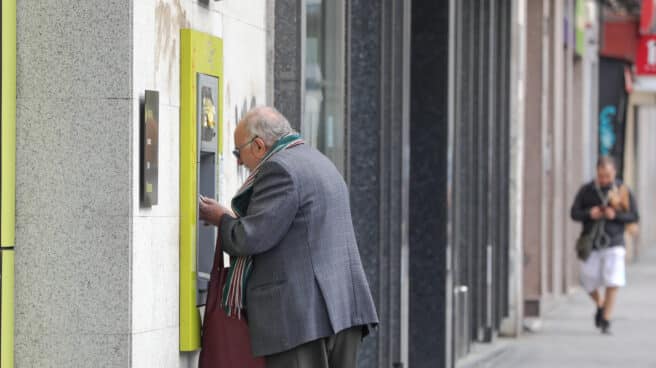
<point x="8" y="182"/>
<point x="200" y="53"/>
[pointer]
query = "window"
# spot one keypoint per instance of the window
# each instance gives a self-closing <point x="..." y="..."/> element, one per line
<point x="323" y="120"/>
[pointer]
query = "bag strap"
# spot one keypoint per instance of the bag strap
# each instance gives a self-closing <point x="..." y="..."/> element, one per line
<point x="601" y="240"/>
<point x="218" y="255"/>
<point x="602" y="196"/>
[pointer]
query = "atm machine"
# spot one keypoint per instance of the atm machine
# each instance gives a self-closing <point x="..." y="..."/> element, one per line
<point x="7" y="182"/>
<point x="201" y="99"/>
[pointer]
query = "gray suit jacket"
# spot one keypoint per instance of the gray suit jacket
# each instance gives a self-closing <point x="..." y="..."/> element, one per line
<point x="307" y="281"/>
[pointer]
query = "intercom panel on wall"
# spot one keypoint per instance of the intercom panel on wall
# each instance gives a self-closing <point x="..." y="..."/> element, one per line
<point x="201" y="120"/>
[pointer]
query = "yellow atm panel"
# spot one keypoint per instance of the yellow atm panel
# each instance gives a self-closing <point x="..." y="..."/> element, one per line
<point x="201" y="117"/>
<point x="7" y="182"/>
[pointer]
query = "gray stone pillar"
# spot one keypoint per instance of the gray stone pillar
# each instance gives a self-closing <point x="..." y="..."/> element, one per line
<point x="574" y="157"/>
<point x="429" y="267"/>
<point x="533" y="146"/>
<point x="646" y="130"/>
<point x="289" y="58"/>
<point x="73" y="183"/>
<point x="512" y="324"/>
<point x="558" y="168"/>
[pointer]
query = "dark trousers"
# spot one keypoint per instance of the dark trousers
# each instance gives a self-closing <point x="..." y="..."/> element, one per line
<point x="337" y="351"/>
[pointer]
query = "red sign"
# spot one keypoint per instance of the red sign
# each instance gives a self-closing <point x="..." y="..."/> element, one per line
<point x="647" y="17"/>
<point x="646" y="55"/>
<point x="620" y="39"/>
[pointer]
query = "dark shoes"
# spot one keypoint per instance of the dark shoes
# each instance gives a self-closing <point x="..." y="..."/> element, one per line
<point x="605" y="327"/>
<point x="600" y="322"/>
<point x="599" y="317"/>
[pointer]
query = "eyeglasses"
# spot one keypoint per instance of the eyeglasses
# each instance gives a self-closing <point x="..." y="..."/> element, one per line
<point x="237" y="150"/>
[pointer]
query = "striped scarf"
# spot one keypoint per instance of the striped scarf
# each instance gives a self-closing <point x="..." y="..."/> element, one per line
<point x="233" y="298"/>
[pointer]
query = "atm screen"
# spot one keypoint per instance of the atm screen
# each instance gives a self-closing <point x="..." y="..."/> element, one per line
<point x="207" y="120"/>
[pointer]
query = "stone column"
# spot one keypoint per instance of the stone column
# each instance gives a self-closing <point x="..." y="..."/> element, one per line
<point x="512" y="325"/>
<point x="646" y="130"/>
<point x="557" y="122"/>
<point x="429" y="196"/>
<point x="73" y="183"/>
<point x="533" y="278"/>
<point x="289" y="59"/>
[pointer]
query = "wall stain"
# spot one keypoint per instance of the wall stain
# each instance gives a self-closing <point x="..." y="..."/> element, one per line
<point x="170" y="17"/>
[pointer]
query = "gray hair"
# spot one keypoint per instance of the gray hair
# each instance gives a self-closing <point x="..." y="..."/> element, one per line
<point x="267" y="123"/>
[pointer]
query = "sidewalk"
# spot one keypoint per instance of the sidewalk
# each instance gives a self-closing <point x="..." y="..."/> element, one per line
<point x="568" y="337"/>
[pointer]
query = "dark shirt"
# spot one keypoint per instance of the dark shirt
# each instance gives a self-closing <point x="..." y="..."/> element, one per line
<point x="588" y="197"/>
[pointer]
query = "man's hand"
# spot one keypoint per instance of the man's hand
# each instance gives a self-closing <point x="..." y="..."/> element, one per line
<point x="595" y="213"/>
<point x="609" y="213"/>
<point x="211" y="212"/>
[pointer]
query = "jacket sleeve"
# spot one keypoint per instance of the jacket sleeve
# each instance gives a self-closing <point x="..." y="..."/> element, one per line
<point x="631" y="215"/>
<point x="578" y="212"/>
<point x="271" y="211"/>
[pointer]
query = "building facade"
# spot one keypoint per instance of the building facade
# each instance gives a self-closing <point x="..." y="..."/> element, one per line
<point x="560" y="121"/>
<point x="427" y="155"/>
<point x="463" y="129"/>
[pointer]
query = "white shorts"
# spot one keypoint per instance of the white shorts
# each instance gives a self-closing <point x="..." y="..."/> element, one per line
<point x="604" y="268"/>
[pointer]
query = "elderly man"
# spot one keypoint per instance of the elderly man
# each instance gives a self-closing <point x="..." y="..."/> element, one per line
<point x="605" y="206"/>
<point x="294" y="250"/>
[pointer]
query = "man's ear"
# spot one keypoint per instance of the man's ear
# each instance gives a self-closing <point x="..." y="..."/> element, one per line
<point x="261" y="145"/>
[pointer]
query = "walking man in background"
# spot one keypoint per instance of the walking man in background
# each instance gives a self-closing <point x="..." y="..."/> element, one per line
<point x="297" y="268"/>
<point x="604" y="206"/>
